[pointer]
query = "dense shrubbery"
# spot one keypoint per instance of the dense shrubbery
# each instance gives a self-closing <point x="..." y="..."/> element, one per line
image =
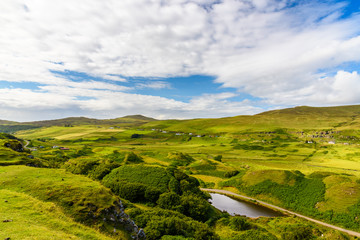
<point x="152" y="176"/>
<point x="170" y="201"/>
<point x="6" y="136"/>
<point x="132" y="158"/>
<point x="298" y="233"/>
<point x="134" y="192"/>
<point x="159" y="222"/>
<point x="301" y="196"/>
<point x="81" y="165"/>
<point x="218" y="158"/>
<point x="84" y="151"/>
<point x="255" y="234"/>
<point x="239" y="223"/>
<point x="231" y="173"/>
<point x="180" y="159"/>
<point x="100" y="171"/>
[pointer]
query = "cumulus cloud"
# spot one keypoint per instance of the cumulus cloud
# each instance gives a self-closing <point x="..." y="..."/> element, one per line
<point x="281" y="51"/>
<point x="58" y="102"/>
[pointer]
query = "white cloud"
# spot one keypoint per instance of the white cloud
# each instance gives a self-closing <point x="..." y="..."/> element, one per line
<point x="264" y="48"/>
<point x="57" y="102"/>
<point x="153" y="85"/>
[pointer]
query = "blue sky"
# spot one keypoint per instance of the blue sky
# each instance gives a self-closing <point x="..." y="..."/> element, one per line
<point x="176" y="59"/>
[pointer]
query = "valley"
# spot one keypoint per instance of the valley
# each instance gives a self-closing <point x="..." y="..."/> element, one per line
<point x="303" y="159"/>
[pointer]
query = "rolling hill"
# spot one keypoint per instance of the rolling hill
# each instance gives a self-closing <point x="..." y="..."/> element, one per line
<point x="127" y="121"/>
<point x="343" y="117"/>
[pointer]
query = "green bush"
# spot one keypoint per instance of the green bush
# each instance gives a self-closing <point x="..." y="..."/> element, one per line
<point x="299" y="233"/>
<point x="132" y="158"/>
<point x="180" y="159"/>
<point x="158" y="223"/>
<point x="81" y="165"/>
<point x="195" y="207"/>
<point x="231" y="173"/>
<point x="254" y="234"/>
<point x="100" y="171"/>
<point x="151" y="176"/>
<point x="238" y="223"/>
<point x="169" y="201"/>
<point x="218" y="158"/>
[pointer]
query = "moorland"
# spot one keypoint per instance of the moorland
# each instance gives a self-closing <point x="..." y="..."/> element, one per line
<point x="81" y="178"/>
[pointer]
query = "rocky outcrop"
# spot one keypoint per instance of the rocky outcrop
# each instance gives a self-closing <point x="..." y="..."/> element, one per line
<point x="14" y="145"/>
<point x="116" y="217"/>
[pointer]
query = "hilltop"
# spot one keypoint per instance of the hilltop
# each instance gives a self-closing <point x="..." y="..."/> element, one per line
<point x="126" y="121"/>
<point x="303" y="117"/>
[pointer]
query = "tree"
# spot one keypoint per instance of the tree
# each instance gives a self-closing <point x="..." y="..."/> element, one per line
<point x="169" y="200"/>
<point x="195" y="207"/>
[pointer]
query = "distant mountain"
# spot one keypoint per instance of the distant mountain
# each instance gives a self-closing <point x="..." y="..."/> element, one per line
<point x="90" y="121"/>
<point x="139" y="117"/>
<point x="303" y="117"/>
<point x="127" y="121"/>
<point x="7" y="122"/>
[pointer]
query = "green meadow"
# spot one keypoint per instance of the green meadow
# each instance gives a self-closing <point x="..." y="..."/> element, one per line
<point x="304" y="159"/>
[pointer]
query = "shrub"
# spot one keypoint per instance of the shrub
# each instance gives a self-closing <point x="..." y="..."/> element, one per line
<point x="81" y="165"/>
<point x="152" y="176"/>
<point x="132" y="158"/>
<point x="195" y="207"/>
<point x="254" y="234"/>
<point x="169" y="201"/>
<point x="231" y="173"/>
<point x="238" y="223"/>
<point x="158" y="223"/>
<point x="299" y="233"/>
<point x="218" y="158"/>
<point x="100" y="171"/>
<point x="180" y="159"/>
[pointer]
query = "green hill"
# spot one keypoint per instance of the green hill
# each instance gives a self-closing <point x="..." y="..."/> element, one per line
<point x="343" y="117"/>
<point x="44" y="203"/>
<point x="134" y="119"/>
<point x="127" y="121"/>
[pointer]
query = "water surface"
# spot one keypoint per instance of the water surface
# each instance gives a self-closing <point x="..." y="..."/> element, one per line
<point x="233" y="207"/>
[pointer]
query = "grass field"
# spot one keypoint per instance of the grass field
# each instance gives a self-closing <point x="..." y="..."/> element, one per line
<point x="50" y="203"/>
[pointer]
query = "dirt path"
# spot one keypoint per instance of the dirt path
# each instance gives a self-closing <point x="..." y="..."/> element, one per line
<point x="352" y="233"/>
<point x="27" y="143"/>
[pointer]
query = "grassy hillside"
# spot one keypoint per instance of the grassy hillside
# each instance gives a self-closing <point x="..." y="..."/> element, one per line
<point x="127" y="121"/>
<point x="292" y="118"/>
<point x="133" y="119"/>
<point x="31" y="218"/>
<point x="55" y="201"/>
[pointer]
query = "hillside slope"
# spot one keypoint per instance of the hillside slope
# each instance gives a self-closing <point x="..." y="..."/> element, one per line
<point x="343" y="117"/>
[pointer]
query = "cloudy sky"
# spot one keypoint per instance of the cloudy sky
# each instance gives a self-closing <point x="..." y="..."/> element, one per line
<point x="175" y="58"/>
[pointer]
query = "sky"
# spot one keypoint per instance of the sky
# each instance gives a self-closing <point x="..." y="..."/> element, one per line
<point x="176" y="58"/>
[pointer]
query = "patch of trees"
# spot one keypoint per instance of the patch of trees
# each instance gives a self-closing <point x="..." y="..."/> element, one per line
<point x="96" y="169"/>
<point x="7" y="136"/>
<point x="159" y="222"/>
<point x="15" y="128"/>
<point x="180" y="159"/>
<point x="15" y="145"/>
<point x="136" y="135"/>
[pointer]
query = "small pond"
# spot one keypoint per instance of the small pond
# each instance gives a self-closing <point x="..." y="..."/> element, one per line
<point x="233" y="207"/>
